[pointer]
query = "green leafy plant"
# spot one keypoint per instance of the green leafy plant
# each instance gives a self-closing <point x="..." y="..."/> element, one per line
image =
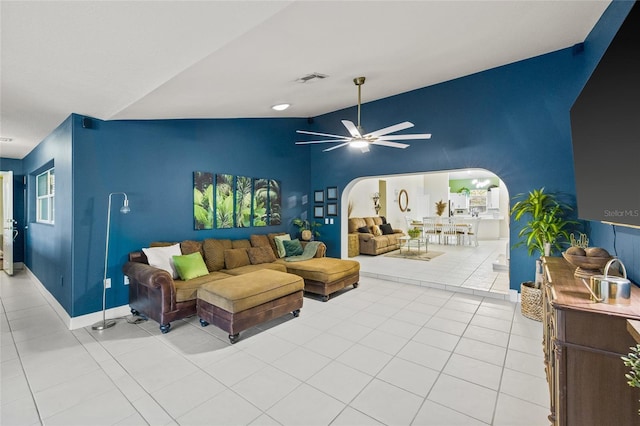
<point x="307" y="225"/>
<point x="633" y="360"/>
<point x="547" y="220"/>
<point x="414" y="232"/>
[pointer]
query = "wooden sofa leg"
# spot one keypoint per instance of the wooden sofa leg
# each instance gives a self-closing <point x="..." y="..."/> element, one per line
<point x="296" y="313"/>
<point x="325" y="298"/>
<point x="203" y="323"/>
<point x="234" y="338"/>
<point x="164" y="328"/>
<point x="134" y="312"/>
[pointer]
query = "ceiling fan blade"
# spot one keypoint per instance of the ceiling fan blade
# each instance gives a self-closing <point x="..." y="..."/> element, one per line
<point x="353" y="130"/>
<point x="320" y="134"/>
<point x="335" y="147"/>
<point x="391" y="144"/>
<point x="390" y="129"/>
<point x="406" y="137"/>
<point x="365" y="148"/>
<point x="325" y="141"/>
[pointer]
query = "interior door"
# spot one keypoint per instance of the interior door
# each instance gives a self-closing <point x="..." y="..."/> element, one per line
<point x="9" y="230"/>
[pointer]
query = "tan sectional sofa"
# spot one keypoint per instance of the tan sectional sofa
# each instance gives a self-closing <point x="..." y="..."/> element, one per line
<point x="370" y="243"/>
<point x="154" y="293"/>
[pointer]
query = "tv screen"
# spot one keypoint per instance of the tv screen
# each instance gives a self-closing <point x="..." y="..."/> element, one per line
<point x="605" y="126"/>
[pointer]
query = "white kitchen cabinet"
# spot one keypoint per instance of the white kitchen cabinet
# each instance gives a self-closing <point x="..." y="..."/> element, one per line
<point x="493" y="198"/>
<point x="459" y="201"/>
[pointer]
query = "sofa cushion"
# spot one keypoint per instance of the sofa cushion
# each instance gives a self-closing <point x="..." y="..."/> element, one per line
<point x="259" y="241"/>
<point x="258" y="255"/>
<point x="189" y="246"/>
<point x="260" y="267"/>
<point x="235" y="258"/>
<point x="190" y="266"/>
<point x="280" y="251"/>
<point x="323" y="269"/>
<point x="213" y="254"/>
<point x="162" y="257"/>
<point x="386" y="229"/>
<point x="188" y="290"/>
<point x="272" y="240"/>
<point x="375" y="230"/>
<point x="292" y="247"/>
<point x="240" y="244"/>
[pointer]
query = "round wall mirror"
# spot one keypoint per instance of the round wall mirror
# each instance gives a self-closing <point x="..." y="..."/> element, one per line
<point x="403" y="200"/>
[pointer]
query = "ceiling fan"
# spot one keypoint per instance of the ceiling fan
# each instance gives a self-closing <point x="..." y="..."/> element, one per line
<point x="359" y="139"/>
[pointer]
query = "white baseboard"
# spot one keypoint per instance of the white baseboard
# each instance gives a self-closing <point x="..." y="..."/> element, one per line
<point x="81" y="321"/>
<point x="514" y="296"/>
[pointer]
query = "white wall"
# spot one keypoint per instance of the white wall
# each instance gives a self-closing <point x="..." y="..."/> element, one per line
<point x="437" y="186"/>
<point x="360" y="197"/>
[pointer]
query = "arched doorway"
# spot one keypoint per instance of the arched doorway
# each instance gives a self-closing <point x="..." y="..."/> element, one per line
<point x="466" y="193"/>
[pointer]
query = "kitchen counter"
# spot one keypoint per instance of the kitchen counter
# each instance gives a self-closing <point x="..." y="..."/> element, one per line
<point x="489" y="228"/>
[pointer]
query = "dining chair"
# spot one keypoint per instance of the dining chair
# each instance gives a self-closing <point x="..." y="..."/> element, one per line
<point x="448" y="232"/>
<point x="472" y="234"/>
<point x="429" y="229"/>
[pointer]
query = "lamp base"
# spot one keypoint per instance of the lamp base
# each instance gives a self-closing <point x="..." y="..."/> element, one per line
<point x="102" y="325"/>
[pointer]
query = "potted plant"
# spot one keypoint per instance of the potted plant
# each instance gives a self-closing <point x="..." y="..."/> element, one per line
<point x="633" y="360"/>
<point x="308" y="230"/>
<point x="414" y="232"/>
<point x="546" y="228"/>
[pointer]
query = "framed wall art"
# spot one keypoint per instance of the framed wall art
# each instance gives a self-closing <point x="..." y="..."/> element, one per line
<point x="318" y="196"/>
<point x="332" y="209"/>
<point x="318" y="211"/>
<point x="332" y="193"/>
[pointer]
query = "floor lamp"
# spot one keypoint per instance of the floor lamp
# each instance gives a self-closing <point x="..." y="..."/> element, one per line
<point x="104" y="324"/>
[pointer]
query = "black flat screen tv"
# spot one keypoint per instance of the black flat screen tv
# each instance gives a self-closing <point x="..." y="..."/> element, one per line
<point x="605" y="127"/>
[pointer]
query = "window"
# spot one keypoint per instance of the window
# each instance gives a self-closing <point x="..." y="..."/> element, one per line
<point x="45" y="192"/>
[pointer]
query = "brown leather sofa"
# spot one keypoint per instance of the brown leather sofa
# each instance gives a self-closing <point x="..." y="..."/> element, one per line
<point x="155" y="294"/>
<point x="370" y="243"/>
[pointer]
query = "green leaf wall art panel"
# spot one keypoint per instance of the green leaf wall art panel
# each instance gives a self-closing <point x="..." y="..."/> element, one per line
<point x="243" y="201"/>
<point x="224" y="201"/>
<point x="202" y="200"/>
<point x="274" y="207"/>
<point x="260" y="202"/>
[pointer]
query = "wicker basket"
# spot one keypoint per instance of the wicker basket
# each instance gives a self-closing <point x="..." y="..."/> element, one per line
<point x="531" y="301"/>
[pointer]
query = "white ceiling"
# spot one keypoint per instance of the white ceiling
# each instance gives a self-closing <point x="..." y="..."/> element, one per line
<point x="220" y="59"/>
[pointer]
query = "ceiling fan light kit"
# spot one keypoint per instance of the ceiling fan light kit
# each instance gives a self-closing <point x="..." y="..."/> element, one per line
<point x="358" y="139"/>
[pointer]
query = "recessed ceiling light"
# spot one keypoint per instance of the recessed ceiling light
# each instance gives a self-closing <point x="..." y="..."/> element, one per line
<point x="280" y="107"/>
<point x="3" y="139"/>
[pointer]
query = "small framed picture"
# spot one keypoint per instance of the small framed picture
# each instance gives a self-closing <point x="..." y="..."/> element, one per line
<point x="318" y="196"/>
<point x="332" y="193"/>
<point x="318" y="211"/>
<point x="332" y="209"/>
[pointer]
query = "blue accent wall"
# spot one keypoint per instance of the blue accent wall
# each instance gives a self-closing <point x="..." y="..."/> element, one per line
<point x="153" y="162"/>
<point x="512" y="120"/>
<point x="49" y="247"/>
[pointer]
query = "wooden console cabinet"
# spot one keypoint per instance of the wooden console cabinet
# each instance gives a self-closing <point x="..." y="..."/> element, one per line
<point x="583" y="342"/>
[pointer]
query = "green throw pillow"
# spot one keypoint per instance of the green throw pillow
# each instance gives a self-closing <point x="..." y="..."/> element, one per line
<point x="190" y="266"/>
<point x="292" y="248"/>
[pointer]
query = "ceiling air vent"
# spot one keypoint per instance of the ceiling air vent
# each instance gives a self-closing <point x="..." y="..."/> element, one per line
<point x="310" y="78"/>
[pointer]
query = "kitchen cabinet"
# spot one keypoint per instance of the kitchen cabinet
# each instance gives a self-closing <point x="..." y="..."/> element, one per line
<point x="493" y="198"/>
<point x="582" y="343"/>
<point x="459" y="201"/>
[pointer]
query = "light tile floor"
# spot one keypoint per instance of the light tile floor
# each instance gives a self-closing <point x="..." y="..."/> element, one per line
<point x="461" y="268"/>
<point x="384" y="353"/>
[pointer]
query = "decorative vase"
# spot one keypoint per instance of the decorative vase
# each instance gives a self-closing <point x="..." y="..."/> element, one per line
<point x="306" y="235"/>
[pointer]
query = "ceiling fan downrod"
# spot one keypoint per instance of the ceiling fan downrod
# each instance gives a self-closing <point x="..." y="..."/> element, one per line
<point x="359" y="81"/>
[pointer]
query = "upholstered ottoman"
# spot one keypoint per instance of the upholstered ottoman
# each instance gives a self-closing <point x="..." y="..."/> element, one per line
<point x="237" y="303"/>
<point x="325" y="275"/>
